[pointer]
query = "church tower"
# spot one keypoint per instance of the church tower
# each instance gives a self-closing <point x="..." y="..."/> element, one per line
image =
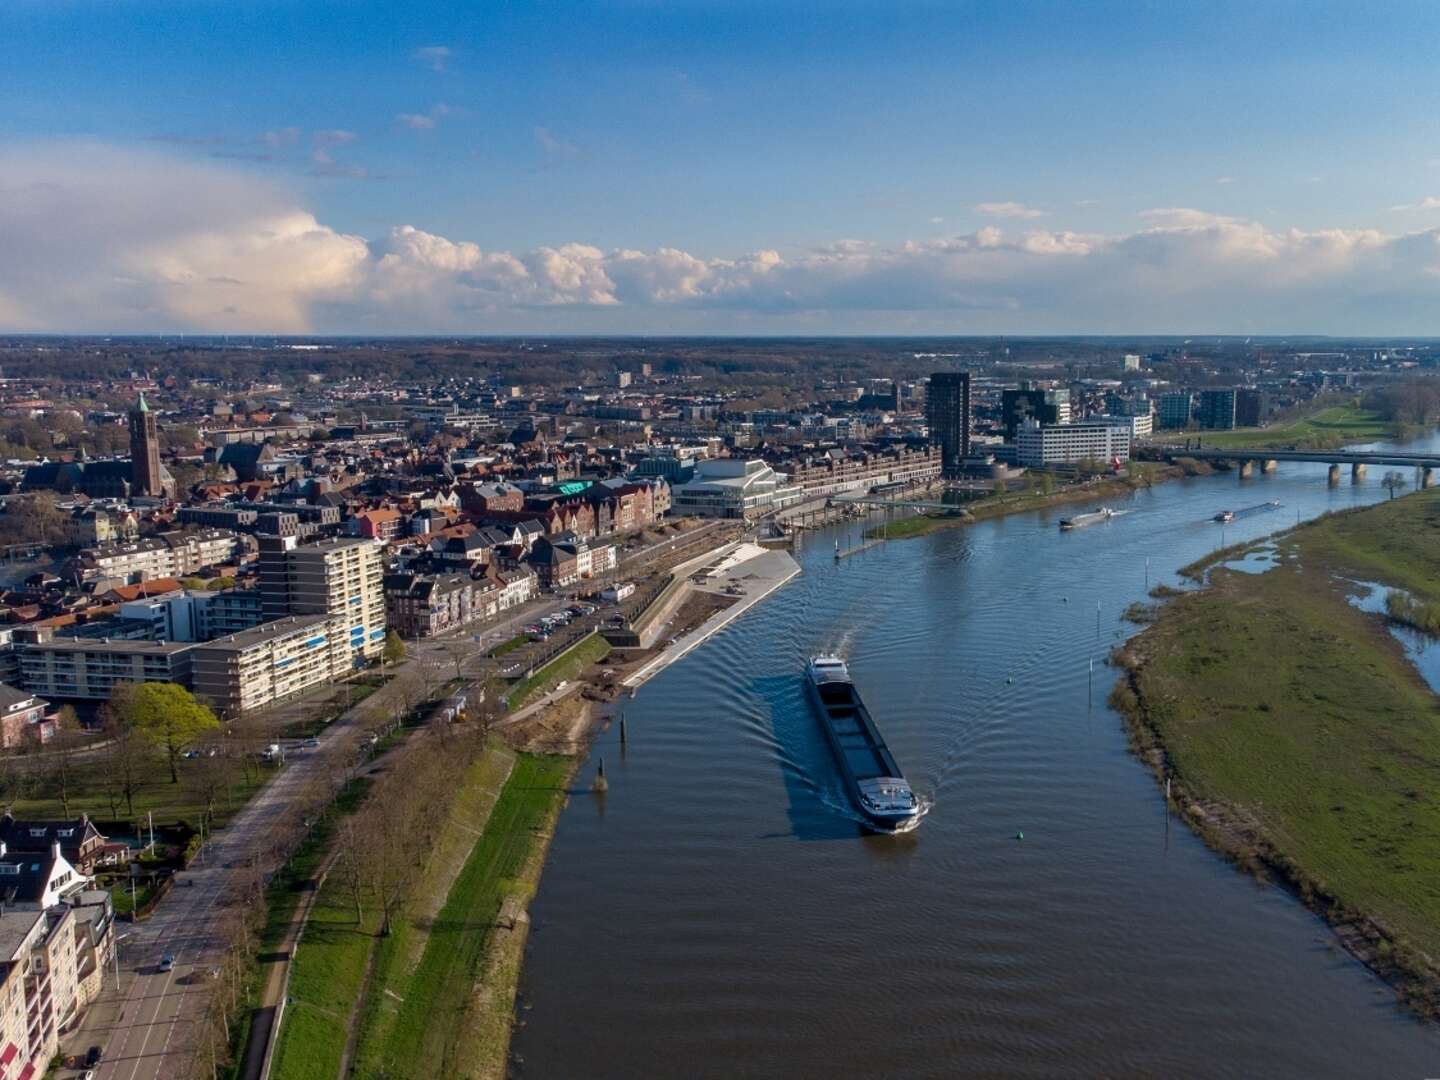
<point x="145" y="475"/>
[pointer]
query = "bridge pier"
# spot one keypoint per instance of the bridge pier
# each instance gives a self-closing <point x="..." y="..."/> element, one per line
<point x="1269" y="465"/>
<point x="1357" y="471"/>
<point x="1247" y="469"/>
<point x="1427" y="476"/>
<point x="1334" y="475"/>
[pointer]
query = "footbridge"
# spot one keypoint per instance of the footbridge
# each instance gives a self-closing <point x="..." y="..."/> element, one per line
<point x="1268" y="459"/>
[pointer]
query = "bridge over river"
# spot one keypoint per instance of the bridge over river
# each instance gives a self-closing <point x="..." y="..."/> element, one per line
<point x="1267" y="458"/>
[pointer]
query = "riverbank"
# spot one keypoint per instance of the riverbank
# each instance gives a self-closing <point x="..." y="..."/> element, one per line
<point x="1141" y="474"/>
<point x="1297" y="735"/>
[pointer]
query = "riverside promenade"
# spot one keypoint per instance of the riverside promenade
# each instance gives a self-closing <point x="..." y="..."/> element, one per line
<point x="755" y="571"/>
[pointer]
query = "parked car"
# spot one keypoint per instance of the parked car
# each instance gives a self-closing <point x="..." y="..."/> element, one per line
<point x="311" y="742"/>
<point x="93" y="1056"/>
<point x="167" y="962"/>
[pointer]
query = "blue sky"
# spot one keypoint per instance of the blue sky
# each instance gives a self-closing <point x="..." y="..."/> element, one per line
<point x="719" y="130"/>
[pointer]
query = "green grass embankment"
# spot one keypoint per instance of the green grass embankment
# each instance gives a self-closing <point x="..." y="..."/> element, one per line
<point x="1300" y="736"/>
<point x="564" y="668"/>
<point x="1329" y="428"/>
<point x="451" y="1014"/>
<point x="332" y="978"/>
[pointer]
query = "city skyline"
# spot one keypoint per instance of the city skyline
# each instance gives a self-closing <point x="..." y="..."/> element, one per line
<point x="792" y="169"/>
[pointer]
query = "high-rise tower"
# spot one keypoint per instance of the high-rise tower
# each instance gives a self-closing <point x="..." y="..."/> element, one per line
<point x="947" y="413"/>
<point x="145" y="475"/>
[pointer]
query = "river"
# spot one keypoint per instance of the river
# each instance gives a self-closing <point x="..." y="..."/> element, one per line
<point x="718" y="913"/>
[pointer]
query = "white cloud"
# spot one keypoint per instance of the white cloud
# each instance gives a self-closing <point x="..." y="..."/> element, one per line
<point x="1224" y="180"/>
<point x="435" y="57"/>
<point x="99" y="238"/>
<point x="1430" y="202"/>
<point x="1008" y="210"/>
<point x="426" y="121"/>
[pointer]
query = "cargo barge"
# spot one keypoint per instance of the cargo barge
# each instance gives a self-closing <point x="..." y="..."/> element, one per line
<point x="872" y="778"/>
<point x="1079" y="521"/>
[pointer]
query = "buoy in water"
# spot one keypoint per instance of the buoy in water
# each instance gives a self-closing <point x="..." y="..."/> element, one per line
<point x="1019" y="836"/>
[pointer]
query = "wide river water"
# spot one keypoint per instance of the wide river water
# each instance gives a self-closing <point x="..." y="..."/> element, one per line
<point x="718" y="913"/>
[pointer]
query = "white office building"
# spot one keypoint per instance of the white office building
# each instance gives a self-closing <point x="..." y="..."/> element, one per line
<point x="1038" y="445"/>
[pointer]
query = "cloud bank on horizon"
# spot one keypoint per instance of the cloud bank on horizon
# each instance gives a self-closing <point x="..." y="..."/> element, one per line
<point x="109" y="239"/>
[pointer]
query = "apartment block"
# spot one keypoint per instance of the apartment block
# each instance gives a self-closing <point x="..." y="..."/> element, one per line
<point x="341" y="577"/>
<point x="89" y="669"/>
<point x="270" y="662"/>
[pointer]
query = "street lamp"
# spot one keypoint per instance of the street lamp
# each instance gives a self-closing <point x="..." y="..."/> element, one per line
<point x="115" y="951"/>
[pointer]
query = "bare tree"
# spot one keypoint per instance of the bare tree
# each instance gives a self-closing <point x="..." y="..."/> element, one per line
<point x="63" y="744"/>
<point x="123" y="762"/>
<point x="1393" y="482"/>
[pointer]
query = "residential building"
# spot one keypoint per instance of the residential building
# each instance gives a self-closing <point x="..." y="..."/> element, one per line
<point x="222" y="516"/>
<point x="947" y="414"/>
<point x="23" y="719"/>
<point x="38" y="985"/>
<point x="555" y="565"/>
<point x="1037" y="446"/>
<point x="89" y="670"/>
<point x="1252" y="408"/>
<point x="733" y="488"/>
<point x="1175" y="409"/>
<point x="423" y="605"/>
<point x="341" y="576"/>
<point x="80" y="842"/>
<point x="841" y="470"/>
<point x="92" y="526"/>
<point x="516" y="586"/>
<point x="196" y="615"/>
<point x="381" y="524"/>
<point x="271" y="662"/>
<point x="171" y="554"/>
<point x="1216" y="411"/>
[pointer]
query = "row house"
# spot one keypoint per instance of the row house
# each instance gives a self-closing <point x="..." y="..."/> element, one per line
<point x="423" y="605"/>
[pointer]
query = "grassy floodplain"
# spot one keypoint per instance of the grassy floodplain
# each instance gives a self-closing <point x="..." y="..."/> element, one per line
<point x="1300" y="737"/>
<point x="1327" y="428"/>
